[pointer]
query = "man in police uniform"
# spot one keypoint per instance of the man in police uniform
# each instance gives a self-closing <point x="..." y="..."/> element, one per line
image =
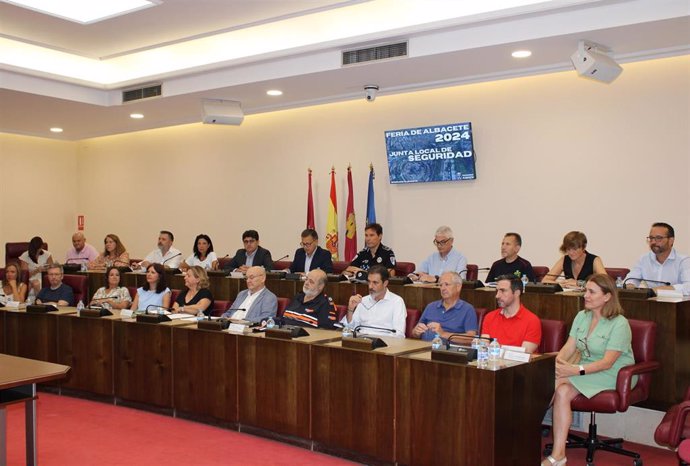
<point x="311" y="307"/>
<point x="374" y="252"/>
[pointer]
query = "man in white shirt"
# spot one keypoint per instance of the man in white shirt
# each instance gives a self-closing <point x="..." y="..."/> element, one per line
<point x="257" y="302"/>
<point x="662" y="264"/>
<point x="81" y="252"/>
<point x="165" y="254"/>
<point x="380" y="308"/>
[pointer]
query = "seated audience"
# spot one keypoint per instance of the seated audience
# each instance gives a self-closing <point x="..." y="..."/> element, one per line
<point x="311" y="256"/>
<point x="202" y="255"/>
<point x="311" y="307"/>
<point x="380" y="308"/>
<point x="114" y="254"/>
<point x="195" y="297"/>
<point x="155" y="293"/>
<point x="445" y="259"/>
<point x="662" y="264"/>
<point x="576" y="264"/>
<point x="56" y="293"/>
<point x="13" y="289"/>
<point x="449" y="315"/>
<point x="113" y="294"/>
<point x="374" y="253"/>
<point x="257" y="302"/>
<point x="251" y="255"/>
<point x="165" y="254"/>
<point x="35" y="260"/>
<point x="599" y="345"/>
<point x="511" y="263"/>
<point x="512" y="323"/>
<point x="81" y="252"/>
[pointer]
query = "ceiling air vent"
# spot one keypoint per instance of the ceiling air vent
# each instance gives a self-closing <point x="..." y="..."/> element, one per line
<point x="142" y="93"/>
<point x="380" y="52"/>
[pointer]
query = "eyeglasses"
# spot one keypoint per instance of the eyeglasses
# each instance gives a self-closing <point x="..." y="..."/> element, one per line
<point x="585" y="349"/>
<point x="442" y="242"/>
<point x="306" y="245"/>
<point x="655" y="239"/>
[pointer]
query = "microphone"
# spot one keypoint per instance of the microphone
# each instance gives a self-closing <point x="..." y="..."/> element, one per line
<point x="161" y="309"/>
<point x="166" y="260"/>
<point x="354" y="333"/>
<point x="284" y="257"/>
<point x="646" y="280"/>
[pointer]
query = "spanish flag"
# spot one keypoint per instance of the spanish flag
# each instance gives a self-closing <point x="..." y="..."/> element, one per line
<point x="332" y="225"/>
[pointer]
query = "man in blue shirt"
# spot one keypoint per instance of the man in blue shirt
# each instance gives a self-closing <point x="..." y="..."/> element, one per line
<point x="56" y="293"/>
<point x="445" y="259"/>
<point x="449" y="315"/>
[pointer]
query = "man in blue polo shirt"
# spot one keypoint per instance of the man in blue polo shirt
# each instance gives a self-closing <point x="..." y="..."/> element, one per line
<point x="56" y="292"/>
<point x="449" y="315"/>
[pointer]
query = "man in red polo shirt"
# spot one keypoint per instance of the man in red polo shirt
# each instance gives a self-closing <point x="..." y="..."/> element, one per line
<point x="512" y="323"/>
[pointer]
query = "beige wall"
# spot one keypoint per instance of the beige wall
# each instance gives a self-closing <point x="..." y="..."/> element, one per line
<point x="554" y="153"/>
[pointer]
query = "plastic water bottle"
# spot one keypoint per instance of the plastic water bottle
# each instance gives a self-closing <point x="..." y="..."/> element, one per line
<point x="525" y="281"/>
<point x="200" y="315"/>
<point x="437" y="342"/>
<point x="83" y="267"/>
<point x="494" y="350"/>
<point x="619" y="282"/>
<point x="347" y="331"/>
<point x="476" y="343"/>
<point x="482" y="355"/>
<point x="270" y="323"/>
<point x="80" y="307"/>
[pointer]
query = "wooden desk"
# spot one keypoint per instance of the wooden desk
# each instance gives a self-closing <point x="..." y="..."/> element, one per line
<point x="33" y="336"/>
<point x="18" y="379"/>
<point x="459" y="414"/>
<point x="274" y="382"/>
<point x="143" y="362"/>
<point x="353" y="399"/>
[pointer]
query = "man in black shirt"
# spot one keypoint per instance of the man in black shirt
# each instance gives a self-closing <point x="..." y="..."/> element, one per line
<point x="374" y="252"/>
<point x="311" y="307"/>
<point x="511" y="264"/>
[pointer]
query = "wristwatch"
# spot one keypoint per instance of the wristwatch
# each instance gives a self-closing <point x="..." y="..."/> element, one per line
<point x="582" y="369"/>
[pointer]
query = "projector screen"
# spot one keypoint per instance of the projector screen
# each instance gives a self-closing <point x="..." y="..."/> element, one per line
<point x="431" y="153"/>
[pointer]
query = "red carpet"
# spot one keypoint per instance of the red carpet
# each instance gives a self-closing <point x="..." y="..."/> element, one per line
<point x="75" y="432"/>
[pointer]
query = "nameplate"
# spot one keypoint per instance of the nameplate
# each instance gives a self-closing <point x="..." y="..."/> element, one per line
<point x="236" y="328"/>
<point x="12" y="304"/>
<point x="516" y="356"/>
<point x="236" y="275"/>
<point x="127" y="314"/>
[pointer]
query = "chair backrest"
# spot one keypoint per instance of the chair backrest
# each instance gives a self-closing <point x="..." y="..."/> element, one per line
<point x="223" y="261"/>
<point x="340" y="266"/>
<point x="643" y="341"/>
<point x="80" y="287"/>
<point x="553" y="336"/>
<point x="340" y="310"/>
<point x="14" y="250"/>
<point x="173" y="296"/>
<point x="132" y="291"/>
<point x="540" y="272"/>
<point x="481" y="312"/>
<point x="615" y="272"/>
<point x="413" y="316"/>
<point x="281" y="265"/>
<point x="404" y="268"/>
<point x="472" y="272"/>
<point x="282" y="305"/>
<point x="219" y="307"/>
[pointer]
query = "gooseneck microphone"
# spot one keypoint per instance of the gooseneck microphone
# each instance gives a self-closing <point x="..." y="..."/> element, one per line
<point x="357" y="329"/>
<point x="172" y="257"/>
<point x="284" y="257"/>
<point x="161" y="309"/>
<point x="646" y="280"/>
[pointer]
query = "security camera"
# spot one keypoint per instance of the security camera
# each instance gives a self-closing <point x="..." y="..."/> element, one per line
<point x="370" y="91"/>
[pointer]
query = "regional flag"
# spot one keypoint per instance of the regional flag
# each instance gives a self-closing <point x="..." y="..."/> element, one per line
<point x="350" y="223"/>
<point x="332" y="224"/>
<point x="371" y="207"/>
<point x="310" y="206"/>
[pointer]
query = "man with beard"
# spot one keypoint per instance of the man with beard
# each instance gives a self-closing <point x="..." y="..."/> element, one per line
<point x="165" y="253"/>
<point x="512" y="323"/>
<point x="311" y="307"/>
<point x="381" y="308"/>
<point x="662" y="263"/>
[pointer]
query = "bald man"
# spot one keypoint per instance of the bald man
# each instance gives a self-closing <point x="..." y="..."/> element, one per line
<point x="311" y="307"/>
<point x="256" y="303"/>
<point x="80" y="252"/>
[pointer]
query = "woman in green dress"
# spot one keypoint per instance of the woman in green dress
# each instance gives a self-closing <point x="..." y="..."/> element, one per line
<point x="598" y="346"/>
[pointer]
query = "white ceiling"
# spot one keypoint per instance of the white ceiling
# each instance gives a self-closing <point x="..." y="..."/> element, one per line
<point x="442" y="52"/>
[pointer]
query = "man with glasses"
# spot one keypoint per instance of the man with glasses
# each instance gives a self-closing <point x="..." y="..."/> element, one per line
<point x="374" y="253"/>
<point x="311" y="256"/>
<point x="381" y="309"/>
<point x="445" y="259"/>
<point x="311" y="307"/>
<point x="512" y="323"/>
<point x="251" y="255"/>
<point x="256" y="303"/>
<point x="56" y="292"/>
<point x="662" y="264"/>
<point x="511" y="263"/>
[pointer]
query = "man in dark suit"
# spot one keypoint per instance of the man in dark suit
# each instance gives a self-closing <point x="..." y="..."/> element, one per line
<point x="251" y="255"/>
<point x="311" y="256"/>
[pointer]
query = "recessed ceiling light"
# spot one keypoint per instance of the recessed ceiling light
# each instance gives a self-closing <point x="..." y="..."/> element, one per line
<point x="136" y="116"/>
<point x="521" y="54"/>
<point x="274" y="92"/>
<point x="56" y="130"/>
<point x="83" y="11"/>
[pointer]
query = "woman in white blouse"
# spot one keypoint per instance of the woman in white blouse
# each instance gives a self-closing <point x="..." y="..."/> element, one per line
<point x="35" y="260"/>
<point x="202" y="256"/>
